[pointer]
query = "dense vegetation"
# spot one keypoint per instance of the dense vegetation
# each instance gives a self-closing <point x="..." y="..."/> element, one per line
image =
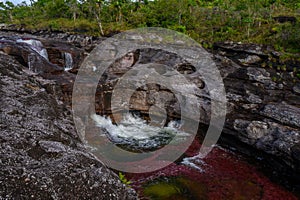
<point x="206" y="21"/>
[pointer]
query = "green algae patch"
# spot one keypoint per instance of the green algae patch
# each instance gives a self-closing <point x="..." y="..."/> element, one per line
<point x="178" y="188"/>
<point x="162" y="190"/>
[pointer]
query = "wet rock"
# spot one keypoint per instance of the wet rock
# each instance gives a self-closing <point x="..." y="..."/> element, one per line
<point x="152" y="94"/>
<point x="59" y="51"/>
<point x="41" y="155"/>
<point x="296" y="89"/>
<point x="270" y="137"/>
<point x="27" y="56"/>
<point x="262" y="111"/>
<point x="81" y="41"/>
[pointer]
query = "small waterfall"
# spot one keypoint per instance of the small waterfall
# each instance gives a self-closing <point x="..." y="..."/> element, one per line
<point x="136" y="134"/>
<point x="68" y="61"/>
<point x="37" y="46"/>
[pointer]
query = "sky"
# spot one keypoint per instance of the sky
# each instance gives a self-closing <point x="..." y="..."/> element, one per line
<point x="17" y="1"/>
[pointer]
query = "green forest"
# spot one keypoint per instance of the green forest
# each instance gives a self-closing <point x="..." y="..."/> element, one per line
<point x="273" y="22"/>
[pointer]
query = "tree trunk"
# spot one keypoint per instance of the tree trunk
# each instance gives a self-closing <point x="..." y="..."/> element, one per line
<point x="99" y="22"/>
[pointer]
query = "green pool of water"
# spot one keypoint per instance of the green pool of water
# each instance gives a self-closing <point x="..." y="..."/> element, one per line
<point x="177" y="188"/>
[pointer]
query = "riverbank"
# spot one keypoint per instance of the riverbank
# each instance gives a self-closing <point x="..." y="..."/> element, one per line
<point x="262" y="90"/>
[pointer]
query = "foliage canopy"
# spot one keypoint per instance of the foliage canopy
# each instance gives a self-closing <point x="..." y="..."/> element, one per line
<point x="206" y="21"/>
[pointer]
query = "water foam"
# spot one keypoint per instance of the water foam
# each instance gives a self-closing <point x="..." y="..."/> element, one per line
<point x="135" y="127"/>
<point x="194" y="162"/>
<point x="37" y="46"/>
<point x="136" y="133"/>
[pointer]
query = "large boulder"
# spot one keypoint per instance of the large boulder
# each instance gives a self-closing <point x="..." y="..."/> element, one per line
<point x="264" y="106"/>
<point x="41" y="155"/>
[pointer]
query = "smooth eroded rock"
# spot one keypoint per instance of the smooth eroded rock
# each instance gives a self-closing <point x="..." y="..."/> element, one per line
<point x="41" y="155"/>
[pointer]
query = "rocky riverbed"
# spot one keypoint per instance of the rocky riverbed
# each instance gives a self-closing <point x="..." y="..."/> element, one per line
<point x="262" y="119"/>
<point x="41" y="155"/>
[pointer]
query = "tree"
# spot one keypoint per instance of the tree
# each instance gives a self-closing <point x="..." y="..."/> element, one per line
<point x="7" y="8"/>
<point x="96" y="7"/>
<point x="73" y="8"/>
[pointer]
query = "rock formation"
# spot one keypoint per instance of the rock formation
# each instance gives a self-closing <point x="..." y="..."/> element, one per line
<point x="263" y="92"/>
<point x="41" y="155"/>
<point x="264" y="109"/>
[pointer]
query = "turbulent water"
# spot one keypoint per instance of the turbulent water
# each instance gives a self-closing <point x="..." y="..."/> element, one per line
<point x="36" y="46"/>
<point x="135" y="133"/>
